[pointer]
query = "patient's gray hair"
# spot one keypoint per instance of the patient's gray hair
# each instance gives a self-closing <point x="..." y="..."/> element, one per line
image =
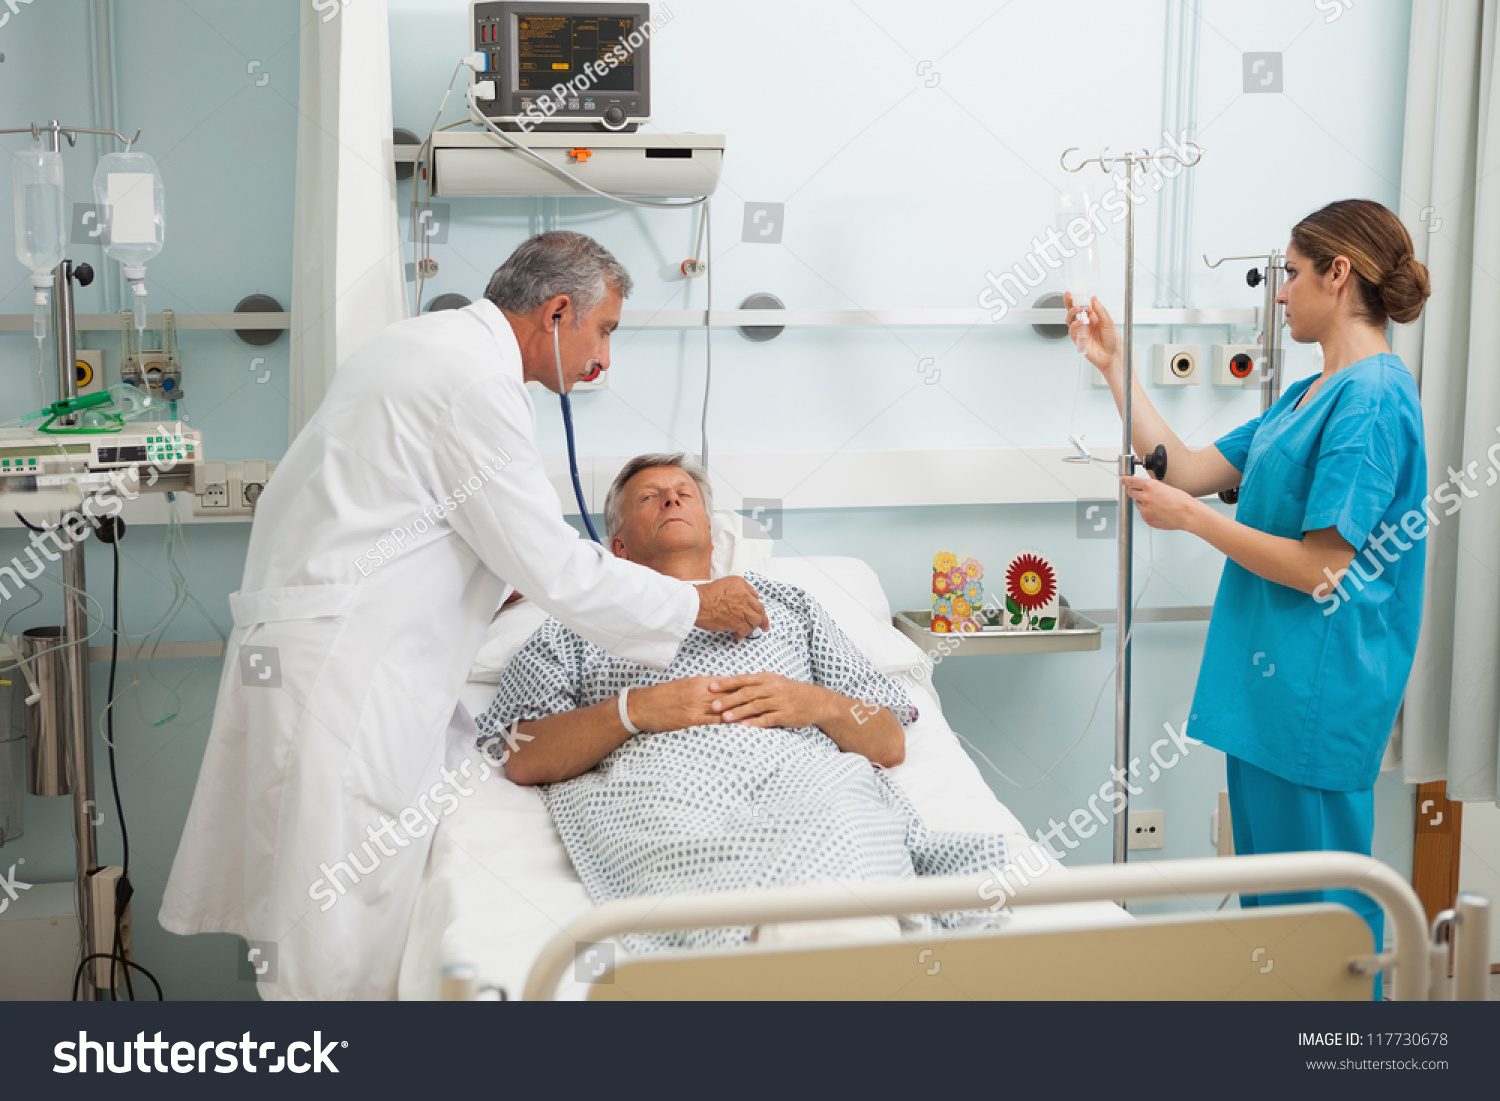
<point x="554" y="263"/>
<point x="614" y="509"/>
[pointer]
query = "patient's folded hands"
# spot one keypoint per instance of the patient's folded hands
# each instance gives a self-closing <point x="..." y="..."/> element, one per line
<point x="674" y="704"/>
<point x="769" y="699"/>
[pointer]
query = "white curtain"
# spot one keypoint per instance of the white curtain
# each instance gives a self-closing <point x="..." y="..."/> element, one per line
<point x="348" y="278"/>
<point x="1450" y="200"/>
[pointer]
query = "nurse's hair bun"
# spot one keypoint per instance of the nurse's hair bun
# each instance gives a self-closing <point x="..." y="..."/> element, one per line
<point x="1390" y="282"/>
<point x="1405" y="290"/>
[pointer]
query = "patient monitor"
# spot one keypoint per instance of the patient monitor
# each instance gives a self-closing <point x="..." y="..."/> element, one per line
<point x="565" y="66"/>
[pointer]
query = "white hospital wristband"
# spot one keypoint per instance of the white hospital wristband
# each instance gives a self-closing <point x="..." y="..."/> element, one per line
<point x="625" y="715"/>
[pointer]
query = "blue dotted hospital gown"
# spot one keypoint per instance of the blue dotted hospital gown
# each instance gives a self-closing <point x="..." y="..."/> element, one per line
<point x="727" y="806"/>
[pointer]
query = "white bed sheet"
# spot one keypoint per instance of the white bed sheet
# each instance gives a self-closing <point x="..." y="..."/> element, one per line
<point x="499" y="884"/>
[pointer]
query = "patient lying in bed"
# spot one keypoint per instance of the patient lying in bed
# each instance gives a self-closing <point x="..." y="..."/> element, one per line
<point x="758" y="763"/>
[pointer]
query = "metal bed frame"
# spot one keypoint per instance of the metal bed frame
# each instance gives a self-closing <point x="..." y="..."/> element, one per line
<point x="1322" y="951"/>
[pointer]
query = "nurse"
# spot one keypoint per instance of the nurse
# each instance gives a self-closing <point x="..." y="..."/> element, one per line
<point x="403" y="516"/>
<point x="1316" y="618"/>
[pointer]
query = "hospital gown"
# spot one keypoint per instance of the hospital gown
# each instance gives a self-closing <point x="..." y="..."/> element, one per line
<point x="727" y="806"/>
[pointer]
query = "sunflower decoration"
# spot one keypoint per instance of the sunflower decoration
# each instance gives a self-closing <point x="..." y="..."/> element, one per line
<point x="1030" y="587"/>
<point x="943" y="561"/>
<point x="941" y="625"/>
<point x="961" y="608"/>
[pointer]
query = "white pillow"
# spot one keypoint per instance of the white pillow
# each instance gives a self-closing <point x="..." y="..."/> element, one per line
<point x="850" y="590"/>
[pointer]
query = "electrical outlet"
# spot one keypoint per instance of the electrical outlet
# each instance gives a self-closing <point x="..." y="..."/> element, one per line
<point x="1145" y="829"/>
<point x="229" y="489"/>
<point x="211" y="489"/>
<point x="1234" y="364"/>
<point x="1175" y="364"/>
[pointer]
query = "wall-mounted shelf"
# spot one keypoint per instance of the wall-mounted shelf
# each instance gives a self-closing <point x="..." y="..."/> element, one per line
<point x="1074" y="633"/>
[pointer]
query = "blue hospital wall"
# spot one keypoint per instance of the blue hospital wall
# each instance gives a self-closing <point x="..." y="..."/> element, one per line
<point x="913" y="153"/>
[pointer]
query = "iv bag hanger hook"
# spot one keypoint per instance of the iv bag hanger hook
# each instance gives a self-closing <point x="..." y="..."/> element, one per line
<point x="54" y="129"/>
<point x="1107" y="163"/>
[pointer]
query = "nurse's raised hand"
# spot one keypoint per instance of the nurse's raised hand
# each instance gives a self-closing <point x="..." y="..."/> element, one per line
<point x="1160" y="505"/>
<point x="730" y="604"/>
<point x="1103" y="347"/>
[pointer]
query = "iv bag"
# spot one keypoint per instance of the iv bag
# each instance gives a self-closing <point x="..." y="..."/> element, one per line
<point x="1080" y="271"/>
<point x="128" y="186"/>
<point x="37" y="177"/>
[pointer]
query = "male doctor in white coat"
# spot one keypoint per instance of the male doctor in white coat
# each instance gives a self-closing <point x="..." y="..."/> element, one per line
<point x="402" y="517"/>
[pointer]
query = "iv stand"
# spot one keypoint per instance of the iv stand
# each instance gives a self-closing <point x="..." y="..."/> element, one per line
<point x="79" y="714"/>
<point x="1131" y="161"/>
<point x="1272" y="319"/>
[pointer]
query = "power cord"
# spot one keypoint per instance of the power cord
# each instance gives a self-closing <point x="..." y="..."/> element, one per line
<point x="111" y="529"/>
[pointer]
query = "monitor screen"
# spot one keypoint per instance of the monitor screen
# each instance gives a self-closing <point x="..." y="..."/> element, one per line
<point x="557" y="49"/>
<point x="567" y="65"/>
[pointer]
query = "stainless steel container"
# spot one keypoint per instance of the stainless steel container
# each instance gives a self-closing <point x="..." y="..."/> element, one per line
<point x="47" y="719"/>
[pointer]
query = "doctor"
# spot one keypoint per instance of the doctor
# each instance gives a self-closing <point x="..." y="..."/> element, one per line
<point x="1315" y="623"/>
<point x="399" y="521"/>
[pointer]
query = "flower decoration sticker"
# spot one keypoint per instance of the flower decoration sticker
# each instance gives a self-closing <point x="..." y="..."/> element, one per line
<point x="1031" y="602"/>
<point x="958" y="594"/>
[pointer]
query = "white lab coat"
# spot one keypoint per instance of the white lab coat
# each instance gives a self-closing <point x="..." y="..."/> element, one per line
<point x="373" y="640"/>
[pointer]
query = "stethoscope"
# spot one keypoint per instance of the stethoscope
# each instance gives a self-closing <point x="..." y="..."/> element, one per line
<point x="567" y="415"/>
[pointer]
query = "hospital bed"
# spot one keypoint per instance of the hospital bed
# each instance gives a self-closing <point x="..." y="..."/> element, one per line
<point x="501" y="901"/>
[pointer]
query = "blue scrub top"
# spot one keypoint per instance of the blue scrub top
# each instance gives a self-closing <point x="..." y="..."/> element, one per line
<point x="1307" y="686"/>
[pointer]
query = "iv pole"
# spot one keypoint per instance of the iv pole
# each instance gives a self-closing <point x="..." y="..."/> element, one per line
<point x="79" y="714"/>
<point x="1156" y="464"/>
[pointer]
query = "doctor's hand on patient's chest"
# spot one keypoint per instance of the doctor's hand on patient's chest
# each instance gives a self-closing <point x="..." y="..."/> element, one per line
<point x="730" y="604"/>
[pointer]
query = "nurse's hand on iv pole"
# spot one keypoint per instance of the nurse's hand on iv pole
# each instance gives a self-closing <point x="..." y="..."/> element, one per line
<point x="730" y="604"/>
<point x="1164" y="507"/>
<point x="1103" y="347"/>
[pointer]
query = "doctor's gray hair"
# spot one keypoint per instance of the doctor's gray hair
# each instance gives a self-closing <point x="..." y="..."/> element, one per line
<point x="614" y="506"/>
<point x="554" y="263"/>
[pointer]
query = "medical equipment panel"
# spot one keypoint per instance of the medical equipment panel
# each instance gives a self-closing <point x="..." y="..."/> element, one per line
<point x="565" y="66"/>
<point x="39" y="454"/>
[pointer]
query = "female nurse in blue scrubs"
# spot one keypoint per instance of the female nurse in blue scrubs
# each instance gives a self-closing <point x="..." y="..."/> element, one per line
<point x="1305" y="664"/>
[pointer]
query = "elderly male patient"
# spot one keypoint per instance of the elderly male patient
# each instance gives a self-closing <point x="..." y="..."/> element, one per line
<point x="746" y="763"/>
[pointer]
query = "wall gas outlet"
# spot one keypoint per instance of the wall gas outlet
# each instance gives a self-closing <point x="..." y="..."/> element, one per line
<point x="1235" y="364"/>
<point x="1176" y="364"/>
<point x="88" y="371"/>
<point x="1145" y="829"/>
